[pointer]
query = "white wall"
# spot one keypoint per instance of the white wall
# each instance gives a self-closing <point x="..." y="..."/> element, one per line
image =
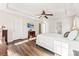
<point x="58" y="11"/>
<point x="66" y="24"/>
<point x="10" y="21"/>
<point x="52" y="25"/>
<point x="16" y="25"/>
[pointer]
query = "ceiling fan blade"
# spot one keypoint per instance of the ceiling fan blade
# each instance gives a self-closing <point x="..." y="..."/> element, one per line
<point x="46" y="17"/>
<point x="49" y="14"/>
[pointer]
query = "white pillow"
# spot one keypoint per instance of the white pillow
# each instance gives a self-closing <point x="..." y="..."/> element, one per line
<point x="72" y="35"/>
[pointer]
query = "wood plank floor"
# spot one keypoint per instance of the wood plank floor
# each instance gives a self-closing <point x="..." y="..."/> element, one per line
<point x="25" y="49"/>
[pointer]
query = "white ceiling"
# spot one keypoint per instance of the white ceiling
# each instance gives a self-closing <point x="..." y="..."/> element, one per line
<point x="36" y="8"/>
<point x="58" y="9"/>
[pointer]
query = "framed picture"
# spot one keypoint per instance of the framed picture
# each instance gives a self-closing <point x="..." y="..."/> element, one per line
<point x="30" y="25"/>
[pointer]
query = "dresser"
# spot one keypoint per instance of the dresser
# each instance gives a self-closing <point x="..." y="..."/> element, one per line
<point x="4" y="36"/>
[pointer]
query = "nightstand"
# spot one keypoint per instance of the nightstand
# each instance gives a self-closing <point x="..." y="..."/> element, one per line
<point x="31" y="34"/>
<point x="5" y="36"/>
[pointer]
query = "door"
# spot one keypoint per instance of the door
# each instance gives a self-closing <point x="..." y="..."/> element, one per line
<point x="44" y="26"/>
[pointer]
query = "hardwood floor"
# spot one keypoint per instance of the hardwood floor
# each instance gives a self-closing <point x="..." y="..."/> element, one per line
<point x="25" y="49"/>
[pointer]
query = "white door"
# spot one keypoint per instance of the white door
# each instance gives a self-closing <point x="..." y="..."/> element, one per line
<point x="44" y="26"/>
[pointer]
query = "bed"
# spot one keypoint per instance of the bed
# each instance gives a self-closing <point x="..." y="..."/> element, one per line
<point x="53" y="42"/>
<point x="57" y="43"/>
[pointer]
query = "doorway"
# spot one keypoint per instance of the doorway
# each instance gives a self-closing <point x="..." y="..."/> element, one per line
<point x="43" y="26"/>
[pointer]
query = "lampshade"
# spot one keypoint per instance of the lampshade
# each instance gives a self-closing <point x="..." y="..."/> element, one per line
<point x="74" y="22"/>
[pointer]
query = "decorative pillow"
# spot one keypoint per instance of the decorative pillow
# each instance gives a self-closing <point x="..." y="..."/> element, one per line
<point x="77" y="38"/>
<point x="66" y="34"/>
<point x="72" y="35"/>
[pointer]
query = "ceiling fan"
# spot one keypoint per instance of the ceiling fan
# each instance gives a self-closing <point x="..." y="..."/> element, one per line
<point x="44" y="14"/>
